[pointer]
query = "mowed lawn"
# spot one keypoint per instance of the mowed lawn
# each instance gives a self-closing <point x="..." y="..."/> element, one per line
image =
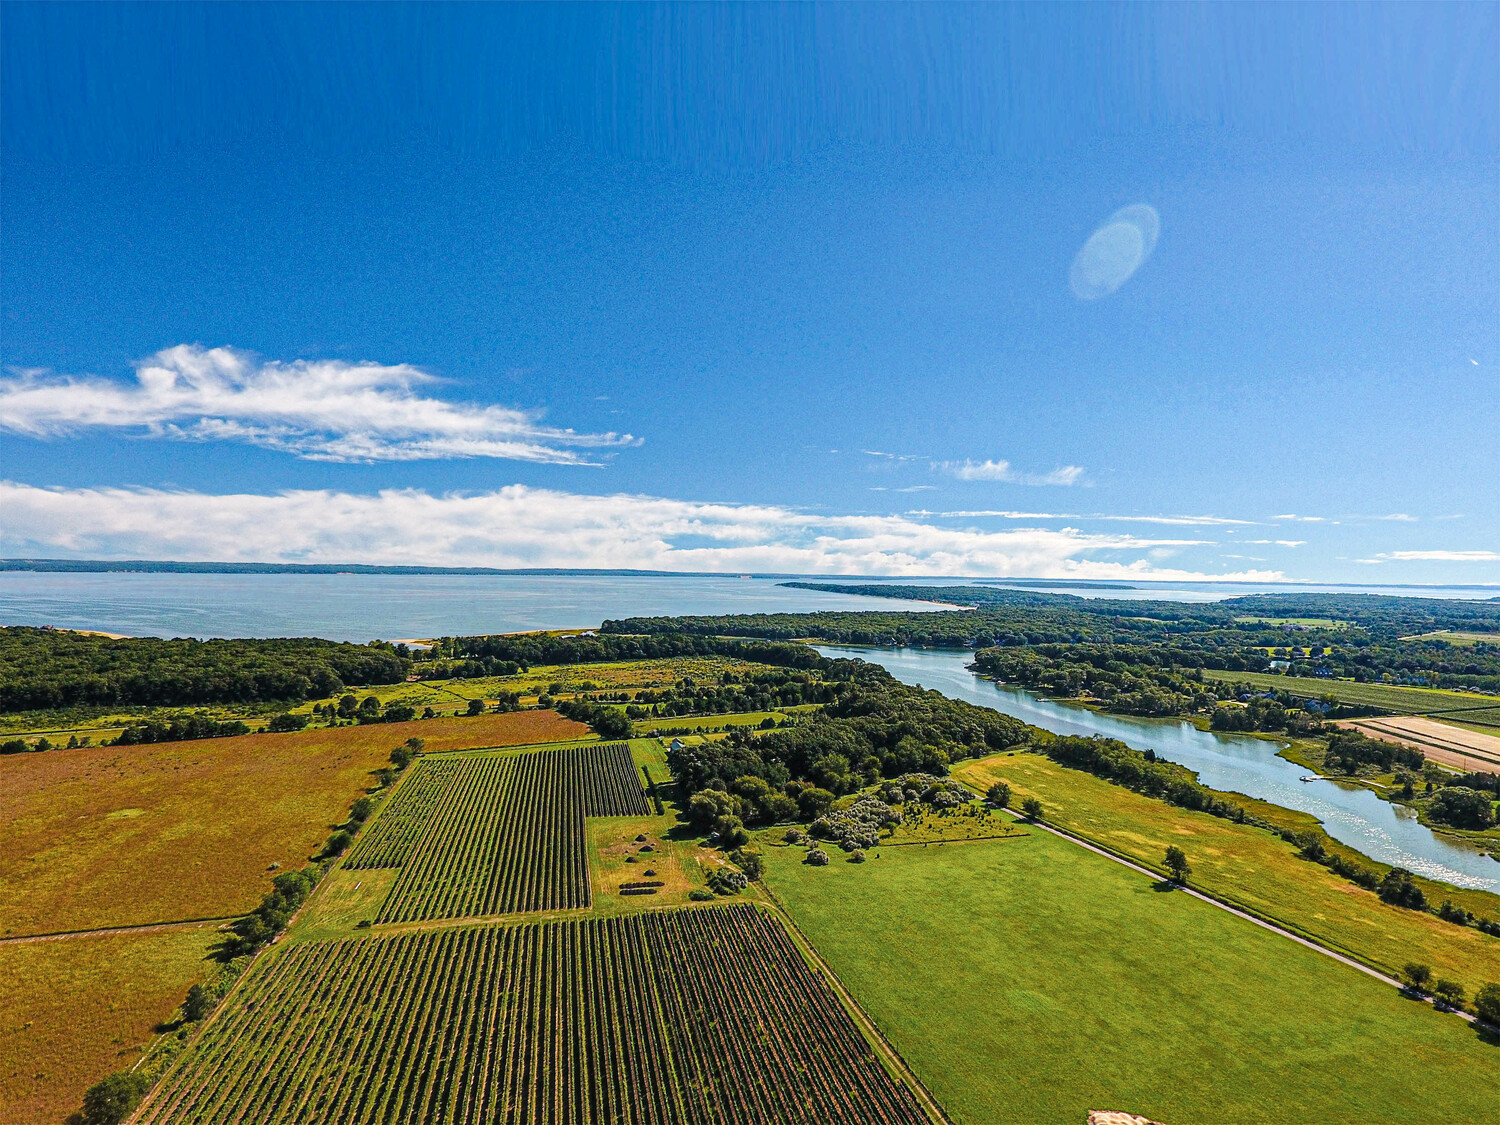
<point x="1253" y="868"/>
<point x="1031" y="981"/>
<point x="74" y="1010"/>
<point x="130" y="835"/>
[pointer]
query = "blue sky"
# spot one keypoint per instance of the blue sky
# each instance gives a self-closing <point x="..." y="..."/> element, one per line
<point x="791" y="289"/>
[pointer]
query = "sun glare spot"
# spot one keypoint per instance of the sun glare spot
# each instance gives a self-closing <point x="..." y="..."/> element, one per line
<point x="1114" y="252"/>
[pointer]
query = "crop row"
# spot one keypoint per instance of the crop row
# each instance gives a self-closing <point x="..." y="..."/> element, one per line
<point x="396" y="831"/>
<point x="610" y="785"/>
<point x="689" y="1017"/>
<point x="502" y="835"/>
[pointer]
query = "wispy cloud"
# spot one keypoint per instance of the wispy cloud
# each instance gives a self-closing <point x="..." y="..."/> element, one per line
<point x="1276" y="542"/>
<point x="1003" y="471"/>
<point x="521" y="526"/>
<point x="1302" y="519"/>
<point x="320" y="410"/>
<point x="1183" y="521"/>
<point x="1441" y="556"/>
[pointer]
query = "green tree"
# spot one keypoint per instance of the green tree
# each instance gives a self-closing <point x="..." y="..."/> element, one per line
<point x="1451" y="992"/>
<point x="1487" y="1003"/>
<point x="1417" y="975"/>
<point x="197" y="1004"/>
<point x="998" y="795"/>
<point x="1176" y="862"/>
<point x="113" y="1099"/>
<point x="337" y="844"/>
<point x="347" y="706"/>
<point x="731" y="832"/>
<point x="476" y="707"/>
<point x="1031" y="808"/>
<point x="749" y="862"/>
<point x="360" y="811"/>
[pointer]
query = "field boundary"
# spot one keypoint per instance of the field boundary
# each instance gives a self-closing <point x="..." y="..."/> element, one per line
<point x="883" y="1046"/>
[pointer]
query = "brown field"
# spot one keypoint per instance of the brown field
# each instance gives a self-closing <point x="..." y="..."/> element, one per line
<point x="130" y="835"/>
<point x="1447" y="745"/>
<point x="72" y="1011"/>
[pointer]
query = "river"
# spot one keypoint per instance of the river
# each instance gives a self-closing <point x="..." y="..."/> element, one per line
<point x="1354" y="816"/>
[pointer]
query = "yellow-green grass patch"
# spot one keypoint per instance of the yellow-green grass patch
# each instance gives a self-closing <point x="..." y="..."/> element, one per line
<point x="1255" y="869"/>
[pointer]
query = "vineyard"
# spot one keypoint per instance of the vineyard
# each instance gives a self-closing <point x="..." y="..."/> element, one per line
<point x="497" y="835"/>
<point x="697" y="1017"/>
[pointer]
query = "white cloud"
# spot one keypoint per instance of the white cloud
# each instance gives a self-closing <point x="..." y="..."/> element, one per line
<point x="1397" y="517"/>
<point x="518" y="526"/>
<point x="1278" y="542"/>
<point x="1002" y="471"/>
<point x="321" y="410"/>
<point x="1185" y="521"/>
<point x="1301" y="519"/>
<point x="1443" y="556"/>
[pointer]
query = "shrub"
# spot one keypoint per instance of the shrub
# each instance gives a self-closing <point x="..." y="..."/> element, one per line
<point x="337" y="844"/>
<point x="1450" y="913"/>
<point x="1398" y="890"/>
<point x="1031" y="808"/>
<point x="730" y="831"/>
<point x="749" y="862"/>
<point x="198" y="1003"/>
<point x="998" y="795"/>
<point x="817" y="857"/>
<point x="113" y="1099"/>
<point x="1417" y="975"/>
<point x="857" y="856"/>
<point x="795" y="836"/>
<point x="13" y="746"/>
<point x="1462" y="808"/>
<point x="701" y="896"/>
<point x="286" y="721"/>
<point x="727" y="881"/>
<point x="1487" y="1003"/>
<point x="1450" y="991"/>
<point x="476" y="707"/>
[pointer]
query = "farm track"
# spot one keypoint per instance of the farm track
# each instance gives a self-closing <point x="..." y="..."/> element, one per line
<point x="111" y="931"/>
<point x="689" y="1017"/>
<point x="497" y="835"/>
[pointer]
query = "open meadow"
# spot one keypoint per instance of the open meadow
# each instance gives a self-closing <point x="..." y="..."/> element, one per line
<point x="130" y="835"/>
<point x="74" y="1010"/>
<point x="1255" y="870"/>
<point x="1032" y="981"/>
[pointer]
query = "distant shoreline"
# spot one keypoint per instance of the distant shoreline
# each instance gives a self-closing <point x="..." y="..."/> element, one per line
<point x="155" y="566"/>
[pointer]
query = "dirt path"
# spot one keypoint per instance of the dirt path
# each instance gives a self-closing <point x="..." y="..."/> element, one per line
<point x="110" y="931"/>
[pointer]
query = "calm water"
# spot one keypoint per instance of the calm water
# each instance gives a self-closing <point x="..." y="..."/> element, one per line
<point x="364" y="607"/>
<point x="1355" y="817"/>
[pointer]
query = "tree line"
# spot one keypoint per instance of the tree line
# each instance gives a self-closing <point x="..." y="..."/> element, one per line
<point x="51" y="668"/>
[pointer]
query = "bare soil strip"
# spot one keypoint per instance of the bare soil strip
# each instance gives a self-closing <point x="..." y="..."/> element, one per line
<point x="1447" y="745"/>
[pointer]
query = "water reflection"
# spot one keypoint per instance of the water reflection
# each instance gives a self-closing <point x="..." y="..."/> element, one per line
<point x="1379" y="829"/>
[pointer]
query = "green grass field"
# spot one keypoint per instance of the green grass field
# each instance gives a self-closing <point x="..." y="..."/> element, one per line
<point x="1255" y="869"/>
<point x="1031" y="981"/>
<point x="1402" y="700"/>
